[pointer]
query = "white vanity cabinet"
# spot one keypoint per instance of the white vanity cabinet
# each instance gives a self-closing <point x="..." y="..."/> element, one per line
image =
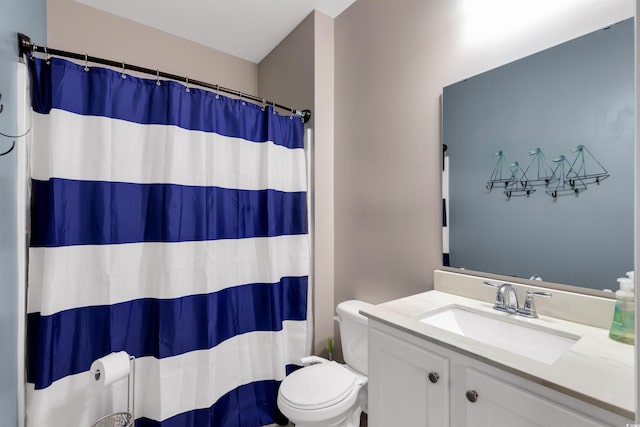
<point x="466" y="392"/>
<point x="498" y="403"/>
<point x="410" y="384"/>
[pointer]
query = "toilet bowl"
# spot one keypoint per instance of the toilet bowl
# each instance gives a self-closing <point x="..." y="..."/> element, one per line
<point x="326" y="393"/>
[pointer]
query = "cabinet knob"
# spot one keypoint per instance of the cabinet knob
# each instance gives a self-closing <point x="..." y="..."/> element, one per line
<point x="434" y="377"/>
<point x="472" y="396"/>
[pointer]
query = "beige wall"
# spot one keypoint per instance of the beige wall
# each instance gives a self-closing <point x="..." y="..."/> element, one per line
<point x="387" y="208"/>
<point x="75" y="27"/>
<point x="299" y="72"/>
<point x="287" y="73"/>
<point x="392" y="60"/>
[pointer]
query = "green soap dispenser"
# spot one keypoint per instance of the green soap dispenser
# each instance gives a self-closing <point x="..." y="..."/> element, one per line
<point x="623" y="323"/>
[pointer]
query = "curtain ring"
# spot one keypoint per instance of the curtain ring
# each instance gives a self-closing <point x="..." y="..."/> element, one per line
<point x="158" y="77"/>
<point x="86" y="62"/>
<point x="187" y="88"/>
<point x="123" y="75"/>
<point x="217" y="91"/>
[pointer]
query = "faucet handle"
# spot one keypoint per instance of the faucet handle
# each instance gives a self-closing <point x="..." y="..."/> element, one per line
<point x="529" y="307"/>
<point x="493" y="285"/>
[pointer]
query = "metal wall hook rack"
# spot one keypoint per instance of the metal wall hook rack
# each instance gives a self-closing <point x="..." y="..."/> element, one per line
<point x="563" y="179"/>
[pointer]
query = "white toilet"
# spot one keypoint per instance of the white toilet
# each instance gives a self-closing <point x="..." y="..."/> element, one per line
<point x="329" y="394"/>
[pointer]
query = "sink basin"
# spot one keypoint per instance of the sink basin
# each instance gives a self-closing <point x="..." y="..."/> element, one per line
<point x="541" y="344"/>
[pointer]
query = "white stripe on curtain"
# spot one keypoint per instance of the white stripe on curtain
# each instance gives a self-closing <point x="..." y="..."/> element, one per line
<point x="168" y="153"/>
<point x="161" y="270"/>
<point x="171" y="225"/>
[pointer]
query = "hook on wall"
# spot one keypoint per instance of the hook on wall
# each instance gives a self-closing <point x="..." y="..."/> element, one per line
<point x="13" y="142"/>
<point x="13" y="145"/>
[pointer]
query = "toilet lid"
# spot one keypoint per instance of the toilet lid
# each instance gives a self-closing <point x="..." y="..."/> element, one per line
<point x="318" y="386"/>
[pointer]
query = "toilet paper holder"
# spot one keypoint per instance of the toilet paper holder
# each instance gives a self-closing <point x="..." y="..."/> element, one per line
<point x="120" y="419"/>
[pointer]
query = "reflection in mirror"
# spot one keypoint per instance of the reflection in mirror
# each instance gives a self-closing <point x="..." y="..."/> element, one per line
<point x="540" y="157"/>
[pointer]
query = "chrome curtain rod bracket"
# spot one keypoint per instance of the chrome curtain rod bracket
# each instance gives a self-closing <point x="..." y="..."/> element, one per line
<point x="26" y="47"/>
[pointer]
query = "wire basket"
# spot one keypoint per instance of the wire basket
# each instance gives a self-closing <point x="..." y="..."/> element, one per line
<point x="119" y="419"/>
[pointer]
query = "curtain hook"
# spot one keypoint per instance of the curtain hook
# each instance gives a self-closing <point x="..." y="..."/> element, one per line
<point x="123" y="75"/>
<point x="273" y="104"/>
<point x="293" y="113"/>
<point x="187" y="88"/>
<point x="47" y="59"/>
<point x="86" y="62"/>
<point x="217" y="91"/>
<point x="264" y="104"/>
<point x="158" y="77"/>
<point x="241" y="100"/>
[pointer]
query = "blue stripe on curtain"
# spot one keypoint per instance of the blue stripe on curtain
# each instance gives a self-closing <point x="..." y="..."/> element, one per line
<point x="69" y="212"/>
<point x="229" y="411"/>
<point x="67" y="342"/>
<point x="63" y="85"/>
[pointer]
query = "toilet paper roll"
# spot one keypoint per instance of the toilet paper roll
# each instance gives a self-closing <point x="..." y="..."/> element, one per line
<point x="110" y="368"/>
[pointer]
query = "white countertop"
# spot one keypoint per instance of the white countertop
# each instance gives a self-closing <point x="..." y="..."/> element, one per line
<point x="596" y="369"/>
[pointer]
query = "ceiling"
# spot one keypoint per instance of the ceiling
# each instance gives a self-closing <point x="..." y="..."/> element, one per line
<point x="248" y="29"/>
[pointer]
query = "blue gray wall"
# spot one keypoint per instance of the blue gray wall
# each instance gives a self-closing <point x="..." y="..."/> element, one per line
<point x="28" y="17"/>
<point x="580" y="92"/>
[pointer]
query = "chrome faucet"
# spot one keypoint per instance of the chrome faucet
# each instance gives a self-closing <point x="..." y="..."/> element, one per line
<point x="507" y="300"/>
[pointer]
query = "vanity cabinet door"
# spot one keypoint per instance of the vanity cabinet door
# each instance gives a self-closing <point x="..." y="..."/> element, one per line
<point x="494" y="403"/>
<point x="408" y="386"/>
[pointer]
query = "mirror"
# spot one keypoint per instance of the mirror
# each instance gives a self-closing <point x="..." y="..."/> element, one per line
<point x="540" y="157"/>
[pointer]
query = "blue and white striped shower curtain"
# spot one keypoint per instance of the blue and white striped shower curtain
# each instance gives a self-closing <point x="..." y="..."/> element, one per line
<point x="171" y="224"/>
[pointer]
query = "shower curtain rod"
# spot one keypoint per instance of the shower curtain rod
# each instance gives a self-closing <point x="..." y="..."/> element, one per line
<point x="26" y="46"/>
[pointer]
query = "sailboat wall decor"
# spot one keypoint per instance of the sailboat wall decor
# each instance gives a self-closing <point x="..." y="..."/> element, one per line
<point x="560" y="177"/>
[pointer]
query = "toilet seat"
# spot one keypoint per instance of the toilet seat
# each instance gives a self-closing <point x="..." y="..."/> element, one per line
<point x="318" y="386"/>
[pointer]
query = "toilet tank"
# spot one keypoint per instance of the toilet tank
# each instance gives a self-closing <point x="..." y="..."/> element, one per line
<point x="353" y="334"/>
